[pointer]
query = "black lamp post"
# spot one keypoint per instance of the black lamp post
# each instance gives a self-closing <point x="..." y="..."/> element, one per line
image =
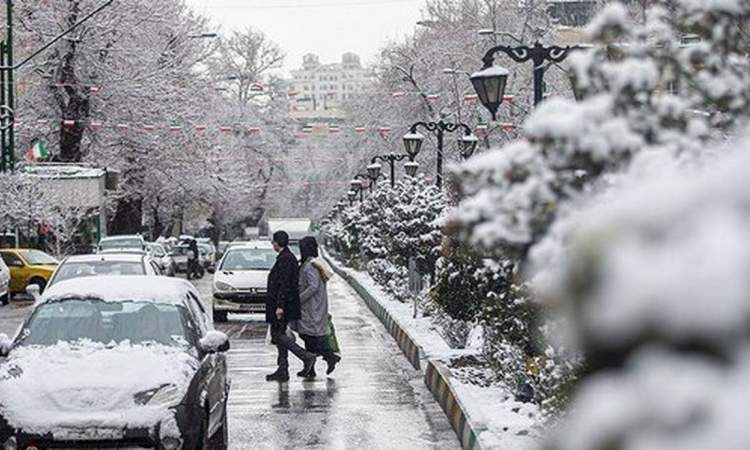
<point x="358" y="184"/>
<point x="490" y="82"/>
<point x="413" y="141"/>
<point x="351" y="196"/>
<point x="391" y="159"/>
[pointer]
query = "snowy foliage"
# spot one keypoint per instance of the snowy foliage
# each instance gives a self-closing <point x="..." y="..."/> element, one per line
<point x="393" y="224"/>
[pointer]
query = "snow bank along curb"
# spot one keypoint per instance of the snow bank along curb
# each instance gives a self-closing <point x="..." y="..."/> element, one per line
<point x="405" y="342"/>
<point x="437" y="375"/>
<point x="437" y="378"/>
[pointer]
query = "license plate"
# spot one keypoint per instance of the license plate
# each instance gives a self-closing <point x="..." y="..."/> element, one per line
<point x="91" y="434"/>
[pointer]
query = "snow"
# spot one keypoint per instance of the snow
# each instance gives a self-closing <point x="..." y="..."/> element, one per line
<point x="663" y="401"/>
<point x="494" y="71"/>
<point x="112" y="288"/>
<point x="613" y="16"/>
<point x="213" y="340"/>
<point x="690" y="257"/>
<point x="414" y="136"/>
<point x="507" y="423"/>
<point x="93" y="386"/>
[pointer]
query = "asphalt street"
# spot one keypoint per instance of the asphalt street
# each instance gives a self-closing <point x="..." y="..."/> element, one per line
<point x="374" y="399"/>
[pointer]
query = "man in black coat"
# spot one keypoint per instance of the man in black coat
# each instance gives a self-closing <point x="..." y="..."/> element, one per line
<point x="282" y="307"/>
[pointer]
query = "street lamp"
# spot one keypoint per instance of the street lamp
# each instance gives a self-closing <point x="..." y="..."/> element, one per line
<point x="411" y="168"/>
<point x="351" y="196"/>
<point x="489" y="84"/>
<point x="413" y="141"/>
<point x="413" y="144"/>
<point x="490" y="81"/>
<point x="391" y="159"/>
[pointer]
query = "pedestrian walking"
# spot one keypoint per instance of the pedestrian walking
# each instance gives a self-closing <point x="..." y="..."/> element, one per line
<point x="282" y="307"/>
<point x="193" y="261"/>
<point x="315" y="324"/>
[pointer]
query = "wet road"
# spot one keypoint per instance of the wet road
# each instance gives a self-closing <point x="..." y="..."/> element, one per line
<point x="374" y="399"/>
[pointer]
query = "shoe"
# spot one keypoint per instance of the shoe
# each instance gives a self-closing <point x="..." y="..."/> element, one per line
<point x="278" y="376"/>
<point x="308" y="370"/>
<point x="332" y="363"/>
<point x="303" y="374"/>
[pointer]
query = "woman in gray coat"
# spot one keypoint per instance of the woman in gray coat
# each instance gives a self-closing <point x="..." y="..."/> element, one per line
<point x="313" y="294"/>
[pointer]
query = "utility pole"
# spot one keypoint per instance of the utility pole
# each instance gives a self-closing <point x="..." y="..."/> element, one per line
<point x="7" y="95"/>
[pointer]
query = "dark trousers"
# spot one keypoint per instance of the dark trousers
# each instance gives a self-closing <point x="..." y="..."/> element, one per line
<point x="317" y="345"/>
<point x="286" y="343"/>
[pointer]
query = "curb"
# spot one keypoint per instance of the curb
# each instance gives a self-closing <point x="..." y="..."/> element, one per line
<point x="406" y="343"/>
<point x="437" y="378"/>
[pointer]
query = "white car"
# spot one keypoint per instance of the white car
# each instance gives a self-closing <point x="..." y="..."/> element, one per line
<point x="241" y="279"/>
<point x="125" y="242"/>
<point x="104" y="264"/>
<point x="161" y="257"/>
<point x="4" y="283"/>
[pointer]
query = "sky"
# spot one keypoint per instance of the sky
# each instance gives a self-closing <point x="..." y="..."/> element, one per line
<point x="328" y="28"/>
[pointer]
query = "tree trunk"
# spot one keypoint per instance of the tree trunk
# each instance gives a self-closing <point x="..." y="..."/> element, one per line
<point x="127" y="219"/>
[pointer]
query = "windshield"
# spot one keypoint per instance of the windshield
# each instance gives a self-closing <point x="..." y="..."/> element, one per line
<point x="98" y="268"/>
<point x="294" y="247"/>
<point x="121" y="243"/>
<point x="36" y="258"/>
<point x="93" y="320"/>
<point x="249" y="259"/>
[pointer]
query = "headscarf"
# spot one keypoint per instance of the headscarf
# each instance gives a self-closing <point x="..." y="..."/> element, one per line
<point x="308" y="248"/>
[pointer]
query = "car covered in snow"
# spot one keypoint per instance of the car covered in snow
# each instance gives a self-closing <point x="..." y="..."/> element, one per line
<point x="241" y="279"/>
<point x="115" y="362"/>
<point x="103" y="264"/>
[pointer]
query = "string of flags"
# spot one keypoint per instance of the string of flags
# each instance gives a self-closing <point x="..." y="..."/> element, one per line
<point x="236" y="128"/>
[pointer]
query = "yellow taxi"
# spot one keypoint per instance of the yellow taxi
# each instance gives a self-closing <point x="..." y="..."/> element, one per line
<point x="28" y="266"/>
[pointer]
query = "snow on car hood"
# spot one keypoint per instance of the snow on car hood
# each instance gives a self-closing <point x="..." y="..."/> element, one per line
<point x="74" y="387"/>
<point x="244" y="279"/>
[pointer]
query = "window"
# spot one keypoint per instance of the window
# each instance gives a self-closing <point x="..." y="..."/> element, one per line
<point x="12" y="260"/>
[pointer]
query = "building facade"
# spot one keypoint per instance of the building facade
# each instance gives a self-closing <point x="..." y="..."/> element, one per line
<point x="321" y="89"/>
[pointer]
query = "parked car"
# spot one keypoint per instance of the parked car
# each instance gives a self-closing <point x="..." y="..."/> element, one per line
<point x="179" y="255"/>
<point x="4" y="283"/>
<point x="134" y="241"/>
<point x="136" y="364"/>
<point x="28" y="266"/>
<point x="241" y="279"/>
<point x="160" y="256"/>
<point x="103" y="264"/>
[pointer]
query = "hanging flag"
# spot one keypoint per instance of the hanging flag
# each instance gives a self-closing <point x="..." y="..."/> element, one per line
<point x="433" y="97"/>
<point x="67" y="123"/>
<point x="200" y="128"/>
<point x="37" y="151"/>
<point x="360" y="129"/>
